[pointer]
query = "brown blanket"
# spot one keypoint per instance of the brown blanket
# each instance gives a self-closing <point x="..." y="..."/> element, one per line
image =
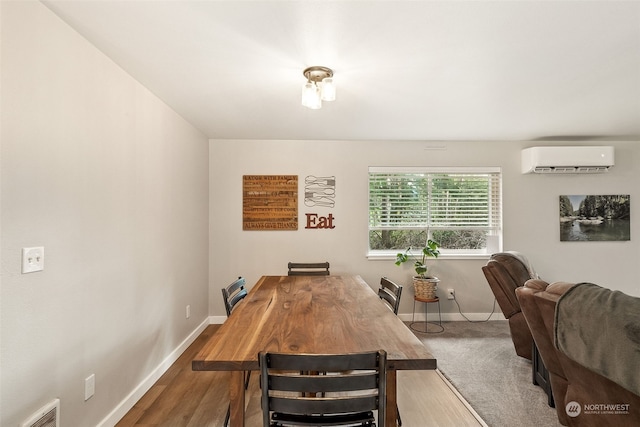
<point x="600" y="329"/>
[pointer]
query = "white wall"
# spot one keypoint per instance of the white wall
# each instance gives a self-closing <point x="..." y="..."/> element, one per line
<point x="531" y="216"/>
<point x="114" y="185"/>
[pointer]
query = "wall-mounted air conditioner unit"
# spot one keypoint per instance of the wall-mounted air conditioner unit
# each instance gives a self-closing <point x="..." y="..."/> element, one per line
<point x="569" y="159"/>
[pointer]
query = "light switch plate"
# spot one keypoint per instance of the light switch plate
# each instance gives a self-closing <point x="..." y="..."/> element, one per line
<point x="32" y="259"/>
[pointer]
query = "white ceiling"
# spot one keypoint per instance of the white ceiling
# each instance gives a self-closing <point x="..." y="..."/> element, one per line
<point x="404" y="70"/>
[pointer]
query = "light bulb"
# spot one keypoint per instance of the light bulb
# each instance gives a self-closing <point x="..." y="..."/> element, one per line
<point x="328" y="89"/>
<point x="311" y="96"/>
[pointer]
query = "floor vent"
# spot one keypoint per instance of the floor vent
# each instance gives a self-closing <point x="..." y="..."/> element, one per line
<point x="47" y="416"/>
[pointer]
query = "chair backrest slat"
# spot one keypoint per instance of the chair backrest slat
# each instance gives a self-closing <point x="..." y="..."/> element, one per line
<point x="308" y="269"/>
<point x="324" y="383"/>
<point x="327" y="406"/>
<point x="323" y="362"/>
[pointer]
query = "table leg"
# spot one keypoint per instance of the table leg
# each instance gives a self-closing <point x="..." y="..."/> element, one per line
<point x="236" y="399"/>
<point x="392" y="399"/>
<point x="426" y="317"/>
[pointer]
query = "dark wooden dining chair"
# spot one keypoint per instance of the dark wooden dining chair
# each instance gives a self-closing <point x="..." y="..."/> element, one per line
<point x="232" y="295"/>
<point x="354" y="387"/>
<point x="390" y="293"/>
<point x="308" y="269"/>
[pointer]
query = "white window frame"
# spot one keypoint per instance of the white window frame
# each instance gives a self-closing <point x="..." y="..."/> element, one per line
<point x="494" y="239"/>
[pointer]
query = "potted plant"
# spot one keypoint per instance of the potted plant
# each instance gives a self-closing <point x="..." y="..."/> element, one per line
<point x="425" y="286"/>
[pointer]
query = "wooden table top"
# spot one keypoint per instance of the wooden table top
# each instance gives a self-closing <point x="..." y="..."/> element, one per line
<point x="311" y="314"/>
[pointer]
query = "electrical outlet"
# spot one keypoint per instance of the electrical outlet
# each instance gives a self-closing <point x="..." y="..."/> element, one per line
<point x="451" y="294"/>
<point x="188" y="311"/>
<point x="32" y="259"/>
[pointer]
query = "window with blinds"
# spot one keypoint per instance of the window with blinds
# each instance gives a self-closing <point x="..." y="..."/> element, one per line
<point x="460" y="208"/>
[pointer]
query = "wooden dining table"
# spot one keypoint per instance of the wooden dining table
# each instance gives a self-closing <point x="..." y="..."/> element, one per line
<point x="310" y="314"/>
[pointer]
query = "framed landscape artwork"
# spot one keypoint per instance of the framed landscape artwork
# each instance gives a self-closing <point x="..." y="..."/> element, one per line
<point x="595" y="218"/>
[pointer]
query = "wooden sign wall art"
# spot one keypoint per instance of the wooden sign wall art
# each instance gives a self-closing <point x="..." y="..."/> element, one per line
<point x="269" y="202"/>
<point x="319" y="191"/>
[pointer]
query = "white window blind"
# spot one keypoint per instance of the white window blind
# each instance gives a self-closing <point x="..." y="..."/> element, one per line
<point x="461" y="206"/>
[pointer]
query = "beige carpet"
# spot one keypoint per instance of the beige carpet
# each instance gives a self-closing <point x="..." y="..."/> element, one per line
<point x="481" y="363"/>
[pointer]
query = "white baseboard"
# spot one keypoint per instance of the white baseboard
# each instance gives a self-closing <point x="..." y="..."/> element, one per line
<point x="136" y="394"/>
<point x="217" y="320"/>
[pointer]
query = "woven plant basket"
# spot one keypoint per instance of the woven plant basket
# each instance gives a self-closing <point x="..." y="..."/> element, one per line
<point x="425" y="288"/>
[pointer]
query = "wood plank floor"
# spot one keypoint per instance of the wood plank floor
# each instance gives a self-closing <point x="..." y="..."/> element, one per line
<point x="184" y="398"/>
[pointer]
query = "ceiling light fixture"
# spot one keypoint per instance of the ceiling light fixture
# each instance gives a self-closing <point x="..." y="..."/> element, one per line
<point x="319" y="87"/>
